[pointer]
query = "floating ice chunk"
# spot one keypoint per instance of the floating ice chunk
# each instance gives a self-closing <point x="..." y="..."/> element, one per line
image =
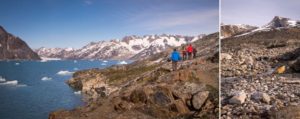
<point x="105" y="61"/>
<point x="75" y="61"/>
<point x="77" y="92"/>
<point x="64" y="73"/>
<point x="13" y="82"/>
<point x="45" y="59"/>
<point x="123" y="62"/>
<point x="17" y="63"/>
<point x="46" y="78"/>
<point x="2" y="79"/>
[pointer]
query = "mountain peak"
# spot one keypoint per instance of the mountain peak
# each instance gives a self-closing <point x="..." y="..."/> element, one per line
<point x="279" y="21"/>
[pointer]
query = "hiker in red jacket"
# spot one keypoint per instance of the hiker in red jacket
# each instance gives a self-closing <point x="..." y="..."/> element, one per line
<point x="189" y="49"/>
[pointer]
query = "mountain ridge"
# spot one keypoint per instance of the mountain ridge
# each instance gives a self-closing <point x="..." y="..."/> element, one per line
<point x="276" y="23"/>
<point x="129" y="47"/>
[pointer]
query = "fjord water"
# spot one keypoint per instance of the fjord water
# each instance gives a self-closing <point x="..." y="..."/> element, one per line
<point x="32" y="89"/>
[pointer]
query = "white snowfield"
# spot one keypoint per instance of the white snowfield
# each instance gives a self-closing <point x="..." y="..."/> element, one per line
<point x="126" y="48"/>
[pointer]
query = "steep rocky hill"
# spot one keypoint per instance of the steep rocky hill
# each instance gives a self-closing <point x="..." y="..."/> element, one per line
<point x="260" y="78"/>
<point x="148" y="89"/>
<point x="13" y="48"/>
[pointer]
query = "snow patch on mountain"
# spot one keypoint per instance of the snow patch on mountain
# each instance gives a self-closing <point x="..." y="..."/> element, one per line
<point x="276" y="23"/>
<point x="129" y="47"/>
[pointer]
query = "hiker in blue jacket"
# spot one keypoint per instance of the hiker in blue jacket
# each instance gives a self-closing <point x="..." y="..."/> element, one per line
<point x="175" y="57"/>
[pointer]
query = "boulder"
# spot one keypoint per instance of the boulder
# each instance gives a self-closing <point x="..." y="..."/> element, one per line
<point x="199" y="99"/>
<point x="161" y="98"/>
<point x="259" y="96"/>
<point x="296" y="65"/>
<point x="225" y="56"/>
<point x="239" y="98"/>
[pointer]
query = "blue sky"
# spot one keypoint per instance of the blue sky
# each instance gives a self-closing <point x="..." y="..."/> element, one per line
<point x="74" y="23"/>
<point x="257" y="12"/>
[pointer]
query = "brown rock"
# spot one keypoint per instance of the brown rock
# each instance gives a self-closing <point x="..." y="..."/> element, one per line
<point x="138" y="96"/>
<point x="199" y="99"/>
<point x="179" y="107"/>
<point x="238" y="98"/>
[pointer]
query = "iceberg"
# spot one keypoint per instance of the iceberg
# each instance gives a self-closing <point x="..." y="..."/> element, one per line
<point x="17" y="63"/>
<point x="77" y="92"/>
<point x="64" y="73"/>
<point x="2" y="79"/>
<point x="45" y="59"/>
<point x="46" y="78"/>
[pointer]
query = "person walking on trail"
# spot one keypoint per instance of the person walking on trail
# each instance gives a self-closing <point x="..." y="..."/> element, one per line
<point x="175" y="57"/>
<point x="183" y="52"/>
<point x="194" y="53"/>
<point x="189" y="49"/>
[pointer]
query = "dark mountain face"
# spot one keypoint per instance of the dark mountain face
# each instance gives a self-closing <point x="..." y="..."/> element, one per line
<point x="281" y="22"/>
<point x="13" y="48"/>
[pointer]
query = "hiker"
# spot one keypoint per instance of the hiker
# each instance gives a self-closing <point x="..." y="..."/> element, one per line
<point x="175" y="57"/>
<point x="194" y="53"/>
<point x="183" y="53"/>
<point x="189" y="50"/>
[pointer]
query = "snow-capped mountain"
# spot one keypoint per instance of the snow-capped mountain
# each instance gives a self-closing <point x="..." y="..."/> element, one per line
<point x="234" y="29"/>
<point x="129" y="47"/>
<point x="55" y="52"/>
<point x="276" y="23"/>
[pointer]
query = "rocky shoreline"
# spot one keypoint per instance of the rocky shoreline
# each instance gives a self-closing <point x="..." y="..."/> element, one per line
<point x="149" y="89"/>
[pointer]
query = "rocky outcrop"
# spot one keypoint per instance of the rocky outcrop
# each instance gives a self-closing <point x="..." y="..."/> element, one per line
<point x="231" y="30"/>
<point x="149" y="89"/>
<point x="13" y="48"/>
<point x="250" y="64"/>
